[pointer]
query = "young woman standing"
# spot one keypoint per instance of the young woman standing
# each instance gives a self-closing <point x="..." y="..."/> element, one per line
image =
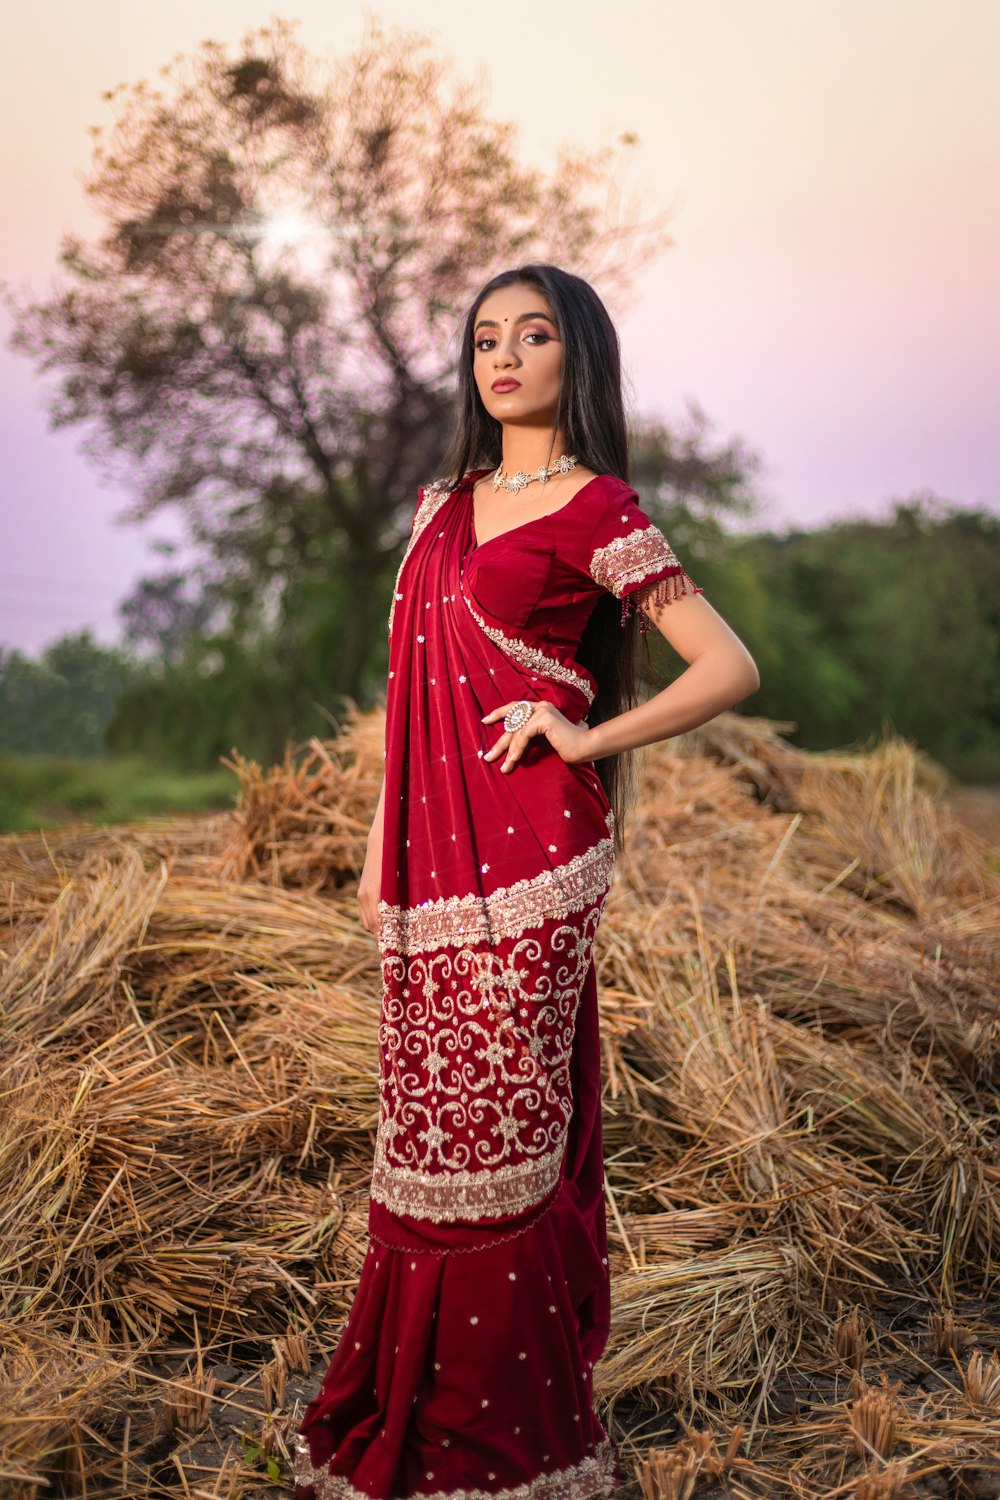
<point x="466" y="1366"/>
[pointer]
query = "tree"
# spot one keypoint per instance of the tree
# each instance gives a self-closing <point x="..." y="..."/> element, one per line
<point x="164" y="614"/>
<point x="61" y="703"/>
<point x="264" y="335"/>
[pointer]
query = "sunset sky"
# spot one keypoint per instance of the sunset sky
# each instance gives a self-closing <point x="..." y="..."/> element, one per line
<point x="833" y="296"/>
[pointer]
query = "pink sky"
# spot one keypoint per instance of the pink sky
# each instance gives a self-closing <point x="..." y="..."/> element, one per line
<point x="833" y="295"/>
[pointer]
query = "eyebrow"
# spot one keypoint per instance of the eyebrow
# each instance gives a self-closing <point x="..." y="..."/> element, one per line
<point x="524" y="318"/>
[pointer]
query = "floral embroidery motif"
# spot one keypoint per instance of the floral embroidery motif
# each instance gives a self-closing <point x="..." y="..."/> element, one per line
<point x="479" y="1003"/>
<point x="592" y="1475"/>
<point x="475" y="1050"/>
<point x="432" y="498"/>
<point x="531" y="657"/>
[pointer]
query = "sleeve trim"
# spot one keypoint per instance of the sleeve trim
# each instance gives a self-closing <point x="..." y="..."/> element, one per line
<point x="629" y="559"/>
<point x="661" y="591"/>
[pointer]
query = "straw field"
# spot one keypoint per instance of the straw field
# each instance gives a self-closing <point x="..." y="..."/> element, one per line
<point x="801" y="1036"/>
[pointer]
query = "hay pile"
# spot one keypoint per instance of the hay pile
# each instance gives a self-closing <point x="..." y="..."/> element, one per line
<point x="801" y="1033"/>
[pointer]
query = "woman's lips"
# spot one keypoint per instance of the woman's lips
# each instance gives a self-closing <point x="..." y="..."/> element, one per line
<point x="507" y="384"/>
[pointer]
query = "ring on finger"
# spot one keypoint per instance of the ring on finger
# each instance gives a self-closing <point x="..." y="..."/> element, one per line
<point x="518" y="715"/>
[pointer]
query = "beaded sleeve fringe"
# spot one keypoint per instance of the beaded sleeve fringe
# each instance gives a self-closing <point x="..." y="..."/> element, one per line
<point x="663" y="591"/>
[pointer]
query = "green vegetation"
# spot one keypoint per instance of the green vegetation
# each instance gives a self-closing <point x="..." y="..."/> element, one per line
<point x="61" y="703"/>
<point x="42" y="791"/>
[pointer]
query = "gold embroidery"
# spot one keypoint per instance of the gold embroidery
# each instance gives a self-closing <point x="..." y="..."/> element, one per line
<point x="628" y="559"/>
<point x="506" y="912"/>
<point x="433" y="497"/>
<point x="591" y="1475"/>
<point x="486" y="1194"/>
<point x="475" y="1052"/>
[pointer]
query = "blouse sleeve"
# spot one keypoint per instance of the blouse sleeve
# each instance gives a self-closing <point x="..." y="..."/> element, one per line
<point x="631" y="558"/>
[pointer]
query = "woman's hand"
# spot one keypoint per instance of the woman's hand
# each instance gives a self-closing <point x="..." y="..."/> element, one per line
<point x="370" y="886"/>
<point x="570" y="741"/>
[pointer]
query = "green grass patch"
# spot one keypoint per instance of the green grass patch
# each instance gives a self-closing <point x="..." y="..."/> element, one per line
<point x="43" y="791"/>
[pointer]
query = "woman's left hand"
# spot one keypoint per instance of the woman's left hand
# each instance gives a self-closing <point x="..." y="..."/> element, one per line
<point x="567" y="739"/>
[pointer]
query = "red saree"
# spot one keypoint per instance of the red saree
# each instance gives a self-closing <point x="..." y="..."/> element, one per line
<point x="466" y="1364"/>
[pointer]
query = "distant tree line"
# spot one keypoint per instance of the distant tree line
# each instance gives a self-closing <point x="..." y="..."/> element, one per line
<point x="860" y="624"/>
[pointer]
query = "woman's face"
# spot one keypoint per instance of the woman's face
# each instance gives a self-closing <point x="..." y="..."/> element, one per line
<point x="517" y="357"/>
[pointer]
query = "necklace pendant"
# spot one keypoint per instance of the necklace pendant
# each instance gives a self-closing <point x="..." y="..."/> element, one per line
<point x="515" y="483"/>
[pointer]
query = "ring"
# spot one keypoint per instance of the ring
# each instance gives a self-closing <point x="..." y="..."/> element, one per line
<point x="518" y="715"/>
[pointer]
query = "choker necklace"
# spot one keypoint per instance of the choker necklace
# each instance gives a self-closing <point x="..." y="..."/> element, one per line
<point x="516" y="482"/>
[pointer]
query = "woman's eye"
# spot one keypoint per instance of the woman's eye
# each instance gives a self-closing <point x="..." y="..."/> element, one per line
<point x="482" y="343"/>
<point x="537" y="335"/>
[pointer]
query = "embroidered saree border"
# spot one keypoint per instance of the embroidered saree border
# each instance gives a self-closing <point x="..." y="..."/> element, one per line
<point x="434" y="496"/>
<point x="628" y="559"/>
<point x="505" y="912"/>
<point x="592" y="1475"/>
<point x="465" y="1194"/>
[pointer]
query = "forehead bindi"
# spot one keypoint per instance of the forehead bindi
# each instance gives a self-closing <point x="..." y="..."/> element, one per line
<point x="531" y="311"/>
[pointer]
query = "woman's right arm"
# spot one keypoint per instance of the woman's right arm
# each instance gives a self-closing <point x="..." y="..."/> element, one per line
<point x="370" y="886"/>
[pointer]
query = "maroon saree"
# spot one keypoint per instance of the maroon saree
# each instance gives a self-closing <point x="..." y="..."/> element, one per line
<point x="466" y="1364"/>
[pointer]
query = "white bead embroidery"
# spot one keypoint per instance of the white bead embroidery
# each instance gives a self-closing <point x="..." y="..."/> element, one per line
<point x="628" y="559"/>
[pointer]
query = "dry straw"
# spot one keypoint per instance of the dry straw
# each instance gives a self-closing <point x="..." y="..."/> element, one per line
<point x="801" y="1025"/>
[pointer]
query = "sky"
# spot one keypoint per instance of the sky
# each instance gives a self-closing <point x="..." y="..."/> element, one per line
<point x="832" y="173"/>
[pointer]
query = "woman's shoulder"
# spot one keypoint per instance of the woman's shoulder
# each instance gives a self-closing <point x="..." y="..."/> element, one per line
<point x="602" y="492"/>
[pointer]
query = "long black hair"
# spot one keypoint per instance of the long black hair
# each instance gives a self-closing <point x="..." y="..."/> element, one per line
<point x="591" y="415"/>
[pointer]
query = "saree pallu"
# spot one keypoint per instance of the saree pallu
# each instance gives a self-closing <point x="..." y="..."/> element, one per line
<point x="466" y="1365"/>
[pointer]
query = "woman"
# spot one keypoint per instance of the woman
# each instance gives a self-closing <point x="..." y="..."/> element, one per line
<point x="466" y="1365"/>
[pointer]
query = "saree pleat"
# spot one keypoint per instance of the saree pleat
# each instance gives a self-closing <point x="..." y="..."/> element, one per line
<point x="466" y="1364"/>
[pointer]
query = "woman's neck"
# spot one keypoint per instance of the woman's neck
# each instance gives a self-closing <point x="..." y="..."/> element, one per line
<point x="529" y="449"/>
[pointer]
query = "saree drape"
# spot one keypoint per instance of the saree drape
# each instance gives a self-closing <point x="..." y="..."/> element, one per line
<point x="466" y="1364"/>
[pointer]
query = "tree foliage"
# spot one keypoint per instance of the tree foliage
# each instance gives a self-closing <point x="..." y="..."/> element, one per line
<point x="264" y="335"/>
<point x="61" y="703"/>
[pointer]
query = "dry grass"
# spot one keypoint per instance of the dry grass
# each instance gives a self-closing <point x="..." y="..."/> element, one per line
<point x="801" y="1035"/>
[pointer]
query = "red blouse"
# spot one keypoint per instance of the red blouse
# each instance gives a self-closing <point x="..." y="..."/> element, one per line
<point x="547" y="574"/>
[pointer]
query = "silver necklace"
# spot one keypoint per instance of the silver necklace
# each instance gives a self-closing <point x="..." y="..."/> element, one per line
<point x="514" y="483"/>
